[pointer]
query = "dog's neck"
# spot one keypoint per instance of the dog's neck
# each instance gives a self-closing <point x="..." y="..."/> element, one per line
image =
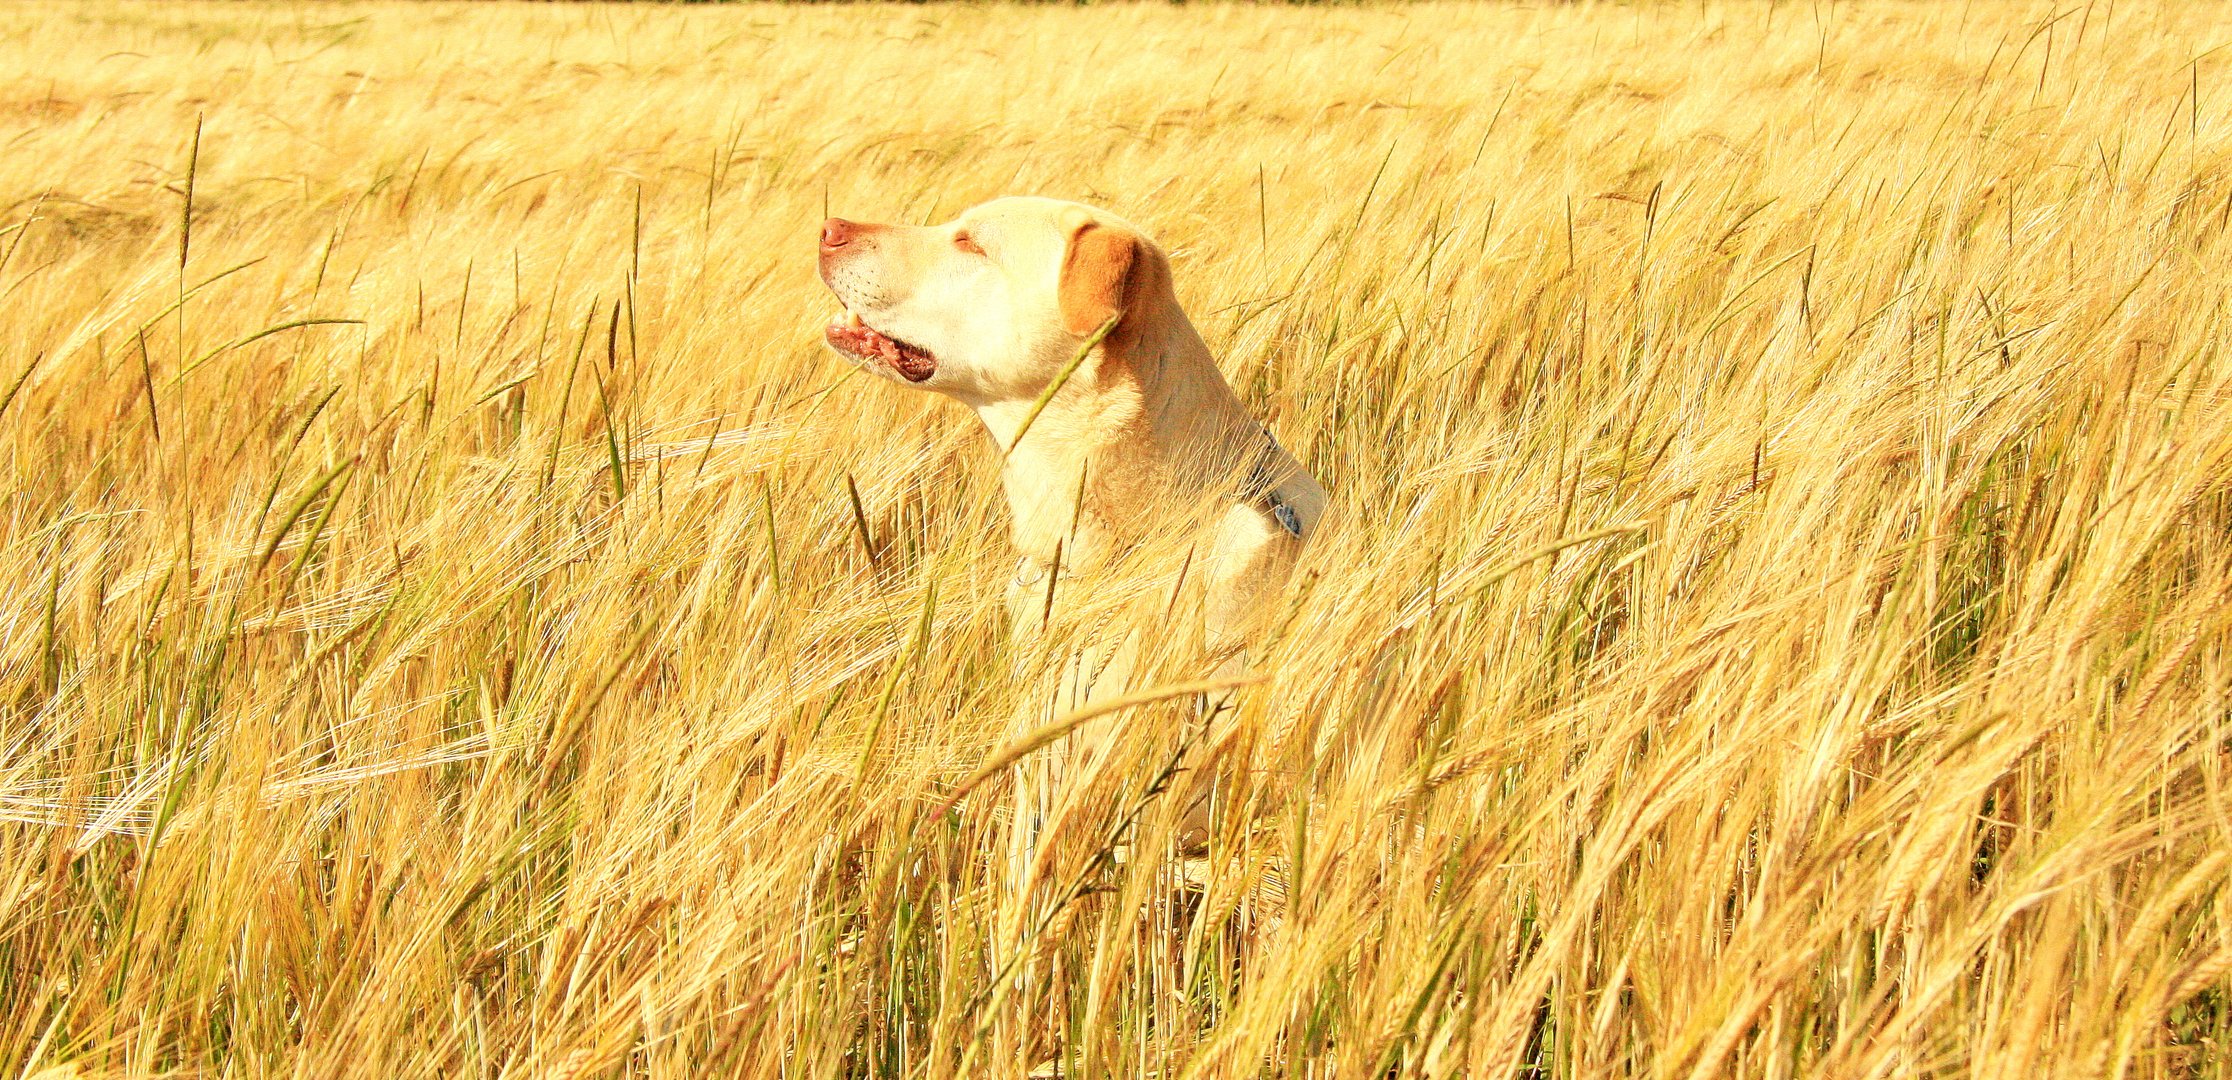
<point x="1145" y="419"/>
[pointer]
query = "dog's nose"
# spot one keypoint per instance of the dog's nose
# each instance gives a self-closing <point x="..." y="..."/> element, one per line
<point x="836" y="233"/>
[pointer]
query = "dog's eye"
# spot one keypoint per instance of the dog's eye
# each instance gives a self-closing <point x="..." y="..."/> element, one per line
<point x="962" y="241"/>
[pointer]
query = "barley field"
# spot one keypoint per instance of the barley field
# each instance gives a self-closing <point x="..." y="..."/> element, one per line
<point x="1775" y="620"/>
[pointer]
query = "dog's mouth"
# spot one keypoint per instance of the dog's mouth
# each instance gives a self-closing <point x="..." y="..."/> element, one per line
<point x="857" y="339"/>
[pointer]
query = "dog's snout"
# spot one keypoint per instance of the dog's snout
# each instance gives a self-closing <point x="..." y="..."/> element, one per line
<point x="837" y="232"/>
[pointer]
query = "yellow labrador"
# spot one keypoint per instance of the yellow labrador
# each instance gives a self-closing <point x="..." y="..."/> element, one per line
<point x="1141" y="432"/>
<point x="997" y="305"/>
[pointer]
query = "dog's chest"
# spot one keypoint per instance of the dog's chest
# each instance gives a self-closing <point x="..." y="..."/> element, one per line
<point x="1059" y="506"/>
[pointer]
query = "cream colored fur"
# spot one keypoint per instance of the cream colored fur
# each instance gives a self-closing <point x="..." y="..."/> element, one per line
<point x="1004" y="297"/>
<point x="1142" y="434"/>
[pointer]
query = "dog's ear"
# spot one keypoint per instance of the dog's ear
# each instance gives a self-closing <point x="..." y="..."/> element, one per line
<point x="1096" y="276"/>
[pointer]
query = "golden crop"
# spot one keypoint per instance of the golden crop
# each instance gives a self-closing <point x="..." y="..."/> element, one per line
<point x="1777" y="620"/>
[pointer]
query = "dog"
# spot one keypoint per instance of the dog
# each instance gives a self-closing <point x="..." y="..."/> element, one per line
<point x="1058" y="325"/>
<point x="1022" y="295"/>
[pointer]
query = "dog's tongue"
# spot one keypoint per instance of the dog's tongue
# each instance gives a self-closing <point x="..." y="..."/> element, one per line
<point x="860" y="339"/>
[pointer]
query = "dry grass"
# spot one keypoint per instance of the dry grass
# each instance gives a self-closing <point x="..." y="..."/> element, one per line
<point x="1776" y="624"/>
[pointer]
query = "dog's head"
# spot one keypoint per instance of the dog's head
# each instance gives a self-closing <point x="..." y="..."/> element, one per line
<point x="993" y="304"/>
